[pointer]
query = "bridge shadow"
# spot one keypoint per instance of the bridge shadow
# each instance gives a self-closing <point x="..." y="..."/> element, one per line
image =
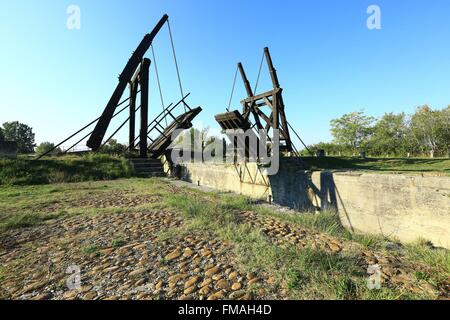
<point x="296" y="190"/>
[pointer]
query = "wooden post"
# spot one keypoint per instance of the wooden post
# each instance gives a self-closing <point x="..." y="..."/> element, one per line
<point x="144" y="81"/>
<point x="133" y="94"/>
<point x="224" y="150"/>
<point x="276" y="113"/>
<point x="272" y="71"/>
<point x="203" y="149"/>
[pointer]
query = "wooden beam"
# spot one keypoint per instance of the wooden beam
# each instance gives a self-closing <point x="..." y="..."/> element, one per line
<point x="261" y="96"/>
<point x="132" y="124"/>
<point x="144" y="79"/>
<point x="268" y="103"/>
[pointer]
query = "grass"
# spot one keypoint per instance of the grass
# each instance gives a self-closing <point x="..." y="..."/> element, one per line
<point x="2" y="273"/>
<point x="381" y="164"/>
<point x="90" y="249"/>
<point x="117" y="243"/>
<point x="24" y="171"/>
<point x="436" y="258"/>
<point x="26" y="206"/>
<point x="27" y="219"/>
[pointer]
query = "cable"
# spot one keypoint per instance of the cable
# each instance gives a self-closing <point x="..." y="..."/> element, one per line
<point x="120" y="127"/>
<point x="259" y="73"/>
<point x="232" y="90"/>
<point x="293" y="130"/>
<point x="82" y="129"/>
<point x="176" y="62"/>
<point x="159" y="83"/>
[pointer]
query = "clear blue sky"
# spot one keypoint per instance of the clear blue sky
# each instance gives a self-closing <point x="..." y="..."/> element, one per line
<point x="328" y="62"/>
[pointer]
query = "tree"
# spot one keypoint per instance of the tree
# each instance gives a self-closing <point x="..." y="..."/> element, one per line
<point x="444" y="136"/>
<point x="431" y="130"/>
<point x="113" y="147"/>
<point x="329" y="147"/>
<point x="2" y="135"/>
<point x="44" y="147"/>
<point x="20" y="133"/>
<point x="390" y="135"/>
<point x="352" y="130"/>
<point x="195" y="138"/>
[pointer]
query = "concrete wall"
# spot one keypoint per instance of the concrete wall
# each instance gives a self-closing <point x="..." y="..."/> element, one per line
<point x="402" y="206"/>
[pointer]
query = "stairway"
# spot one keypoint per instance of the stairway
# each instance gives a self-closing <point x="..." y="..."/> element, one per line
<point x="146" y="167"/>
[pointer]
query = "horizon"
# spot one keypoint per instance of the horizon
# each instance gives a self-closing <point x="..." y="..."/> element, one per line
<point x="329" y="62"/>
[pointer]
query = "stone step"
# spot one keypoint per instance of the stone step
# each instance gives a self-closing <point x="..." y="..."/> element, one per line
<point x="148" y="167"/>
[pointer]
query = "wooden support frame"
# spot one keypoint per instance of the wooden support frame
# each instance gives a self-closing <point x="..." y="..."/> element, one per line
<point x="272" y="99"/>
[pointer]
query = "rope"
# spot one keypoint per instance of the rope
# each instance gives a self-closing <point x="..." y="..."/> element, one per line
<point x="176" y="62"/>
<point x="298" y="136"/>
<point x="117" y="130"/>
<point x="232" y="90"/>
<point x="259" y="74"/>
<point x="84" y="128"/>
<point x="159" y="84"/>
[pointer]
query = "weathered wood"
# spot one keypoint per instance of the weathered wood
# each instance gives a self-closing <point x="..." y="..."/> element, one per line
<point x="261" y="96"/>
<point x="160" y="144"/>
<point x="144" y="81"/>
<point x="254" y="102"/>
<point x="132" y="124"/>
<point x="125" y="77"/>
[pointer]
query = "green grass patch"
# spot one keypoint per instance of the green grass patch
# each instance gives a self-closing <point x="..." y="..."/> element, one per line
<point x="90" y="249"/>
<point x="436" y="258"/>
<point x="63" y="169"/>
<point x="2" y="273"/>
<point x="27" y="219"/>
<point x="380" y="164"/>
<point x="25" y="206"/>
<point x="117" y="243"/>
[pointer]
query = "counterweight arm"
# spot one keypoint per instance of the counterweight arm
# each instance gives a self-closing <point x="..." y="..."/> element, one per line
<point x="125" y="77"/>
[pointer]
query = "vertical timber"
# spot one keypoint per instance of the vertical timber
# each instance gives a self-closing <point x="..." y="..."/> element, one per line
<point x="133" y="94"/>
<point x="144" y="81"/>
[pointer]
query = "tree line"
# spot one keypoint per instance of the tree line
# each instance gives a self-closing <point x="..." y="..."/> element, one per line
<point x="20" y="133"/>
<point x="24" y="138"/>
<point x="426" y="132"/>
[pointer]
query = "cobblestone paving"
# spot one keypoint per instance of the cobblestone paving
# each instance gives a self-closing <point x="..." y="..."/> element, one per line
<point x="120" y="255"/>
<point x="395" y="271"/>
